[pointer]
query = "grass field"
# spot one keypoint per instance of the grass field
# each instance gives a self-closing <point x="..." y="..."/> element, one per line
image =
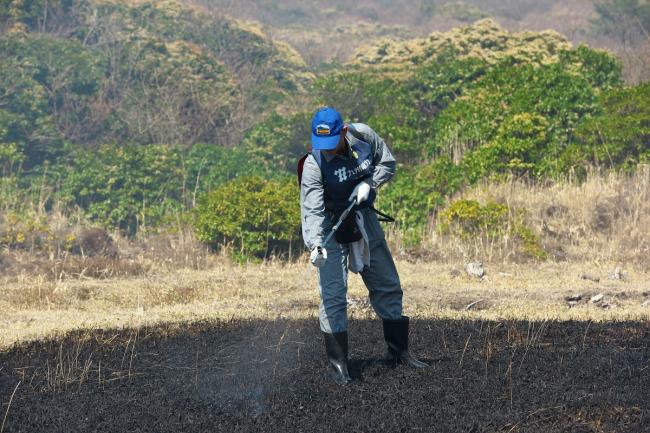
<point x="37" y="308"/>
<point x="169" y="337"/>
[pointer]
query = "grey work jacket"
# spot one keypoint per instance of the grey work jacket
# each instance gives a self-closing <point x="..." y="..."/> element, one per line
<point x="316" y="220"/>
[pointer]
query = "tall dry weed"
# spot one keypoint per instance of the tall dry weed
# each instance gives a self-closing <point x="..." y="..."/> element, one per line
<point x="603" y="219"/>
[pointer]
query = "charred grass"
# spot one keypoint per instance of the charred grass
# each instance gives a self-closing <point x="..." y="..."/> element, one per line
<point x="258" y="375"/>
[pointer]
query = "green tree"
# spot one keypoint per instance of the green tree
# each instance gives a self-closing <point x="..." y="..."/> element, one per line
<point x="25" y="117"/>
<point x="46" y="87"/>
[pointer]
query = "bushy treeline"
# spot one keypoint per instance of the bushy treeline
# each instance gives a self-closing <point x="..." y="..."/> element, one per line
<point x="130" y="187"/>
<point x="455" y="121"/>
<point x="145" y="73"/>
<point x="107" y="119"/>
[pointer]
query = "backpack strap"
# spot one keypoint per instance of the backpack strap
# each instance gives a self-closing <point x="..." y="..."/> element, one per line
<point x="355" y="133"/>
<point x="317" y="157"/>
<point x="382" y="216"/>
<point x="301" y="167"/>
<point x="301" y="163"/>
<point x="359" y="136"/>
<point x="352" y="129"/>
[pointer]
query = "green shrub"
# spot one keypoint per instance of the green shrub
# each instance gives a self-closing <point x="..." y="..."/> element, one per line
<point x="129" y="188"/>
<point x="414" y="194"/>
<point x="25" y="117"/>
<point x="598" y="67"/>
<point x="522" y="118"/>
<point x="549" y="91"/>
<point x="256" y="217"/>
<point x="470" y="221"/>
<point x="467" y="219"/>
<point x="438" y="83"/>
<point x="47" y="85"/>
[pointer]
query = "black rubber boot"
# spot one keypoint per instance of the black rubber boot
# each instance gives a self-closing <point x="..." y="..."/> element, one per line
<point x="396" y="333"/>
<point x="336" y="345"/>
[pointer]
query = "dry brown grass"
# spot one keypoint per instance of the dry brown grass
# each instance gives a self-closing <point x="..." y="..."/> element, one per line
<point x="602" y="220"/>
<point x="35" y="308"/>
<point x="94" y="253"/>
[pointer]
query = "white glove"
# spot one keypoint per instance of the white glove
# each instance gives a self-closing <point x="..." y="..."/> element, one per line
<point x="361" y="192"/>
<point x="318" y="256"/>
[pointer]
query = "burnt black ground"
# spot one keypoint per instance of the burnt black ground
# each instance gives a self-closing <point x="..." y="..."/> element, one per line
<point x="256" y="376"/>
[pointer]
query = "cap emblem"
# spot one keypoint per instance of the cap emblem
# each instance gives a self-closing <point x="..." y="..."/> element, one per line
<point x="322" y="129"/>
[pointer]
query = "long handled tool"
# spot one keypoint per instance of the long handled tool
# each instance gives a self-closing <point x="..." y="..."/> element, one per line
<point x="336" y="226"/>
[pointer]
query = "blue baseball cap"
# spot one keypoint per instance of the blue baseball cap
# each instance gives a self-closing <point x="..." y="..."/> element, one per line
<point x="326" y="126"/>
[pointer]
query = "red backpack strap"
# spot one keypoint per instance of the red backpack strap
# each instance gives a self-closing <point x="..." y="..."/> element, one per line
<point x="301" y="163"/>
<point x="301" y="166"/>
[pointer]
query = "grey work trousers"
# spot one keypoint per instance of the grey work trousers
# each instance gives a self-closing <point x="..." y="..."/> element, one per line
<point x="380" y="278"/>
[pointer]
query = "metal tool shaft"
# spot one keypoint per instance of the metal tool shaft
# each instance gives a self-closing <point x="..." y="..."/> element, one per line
<point x="339" y="222"/>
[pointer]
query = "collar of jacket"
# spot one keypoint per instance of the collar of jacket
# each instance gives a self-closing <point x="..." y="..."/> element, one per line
<point x="347" y="155"/>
